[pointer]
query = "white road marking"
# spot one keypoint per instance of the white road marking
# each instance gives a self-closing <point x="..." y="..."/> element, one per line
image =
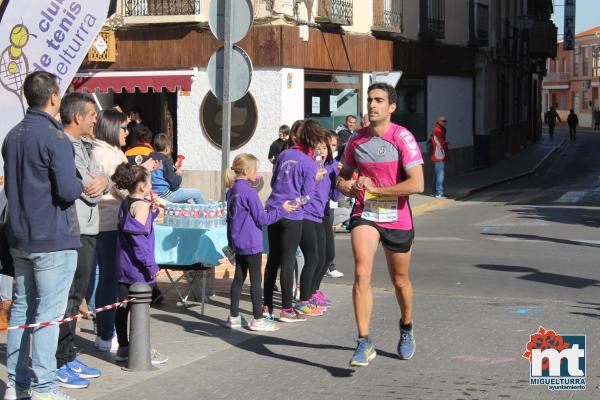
<point x="516" y="221"/>
<point x="570" y="197"/>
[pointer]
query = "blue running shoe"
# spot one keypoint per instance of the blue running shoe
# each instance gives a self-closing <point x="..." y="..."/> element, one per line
<point x="69" y="379"/>
<point x="407" y="345"/>
<point x="365" y="352"/>
<point x="83" y="370"/>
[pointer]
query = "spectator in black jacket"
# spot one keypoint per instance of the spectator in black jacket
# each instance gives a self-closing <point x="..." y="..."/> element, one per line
<point x="166" y="179"/>
<point x="279" y="144"/>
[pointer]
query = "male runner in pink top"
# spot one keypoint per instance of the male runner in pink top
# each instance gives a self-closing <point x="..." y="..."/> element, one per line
<point x="390" y="169"/>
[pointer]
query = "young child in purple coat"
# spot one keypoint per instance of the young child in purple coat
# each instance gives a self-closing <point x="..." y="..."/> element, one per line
<point x="245" y="218"/>
<point x="135" y="245"/>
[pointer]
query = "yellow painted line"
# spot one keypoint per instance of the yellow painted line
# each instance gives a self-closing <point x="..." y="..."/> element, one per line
<point x="428" y="206"/>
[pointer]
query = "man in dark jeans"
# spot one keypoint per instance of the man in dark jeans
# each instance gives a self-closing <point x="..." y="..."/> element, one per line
<point x="78" y="114"/>
<point x="41" y="186"/>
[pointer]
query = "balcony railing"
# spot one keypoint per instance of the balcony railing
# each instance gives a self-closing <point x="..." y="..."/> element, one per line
<point x="433" y="19"/>
<point x="387" y="15"/>
<point x="144" y="8"/>
<point x="337" y="12"/>
<point x="557" y="77"/>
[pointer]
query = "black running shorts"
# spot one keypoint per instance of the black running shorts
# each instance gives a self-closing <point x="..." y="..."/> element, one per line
<point x="394" y="240"/>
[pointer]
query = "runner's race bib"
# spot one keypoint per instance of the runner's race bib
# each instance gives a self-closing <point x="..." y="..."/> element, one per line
<point x="378" y="208"/>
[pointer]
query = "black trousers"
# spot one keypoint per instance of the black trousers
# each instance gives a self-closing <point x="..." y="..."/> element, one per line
<point x="243" y="265"/>
<point x="572" y="133"/>
<point x="284" y="237"/>
<point x="312" y="245"/>
<point x="121" y="316"/>
<point x="86" y="261"/>
<point x="329" y="249"/>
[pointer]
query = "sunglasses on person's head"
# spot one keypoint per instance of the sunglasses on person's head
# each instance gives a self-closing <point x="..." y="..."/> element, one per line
<point x="124" y="127"/>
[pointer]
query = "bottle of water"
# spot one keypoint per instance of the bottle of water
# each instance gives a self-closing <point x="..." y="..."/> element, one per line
<point x="187" y="215"/>
<point x="230" y="254"/>
<point x="224" y="213"/>
<point x="210" y="221"/>
<point x="202" y="216"/>
<point x="300" y="201"/>
<point x="320" y="162"/>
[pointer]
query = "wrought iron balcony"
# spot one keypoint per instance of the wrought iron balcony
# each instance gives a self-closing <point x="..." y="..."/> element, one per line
<point x="145" y="8"/>
<point x="337" y="12"/>
<point x="433" y="19"/>
<point x="387" y="15"/>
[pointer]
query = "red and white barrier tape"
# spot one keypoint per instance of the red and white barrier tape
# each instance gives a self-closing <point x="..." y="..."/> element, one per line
<point x="71" y="318"/>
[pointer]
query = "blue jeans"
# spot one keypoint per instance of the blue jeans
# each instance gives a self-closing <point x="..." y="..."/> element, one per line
<point x="107" y="290"/>
<point x="182" y="195"/>
<point x="438" y="183"/>
<point x="42" y="282"/>
<point x="6" y="287"/>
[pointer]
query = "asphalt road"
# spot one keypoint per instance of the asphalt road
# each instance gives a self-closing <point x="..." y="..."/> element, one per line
<point x="537" y="237"/>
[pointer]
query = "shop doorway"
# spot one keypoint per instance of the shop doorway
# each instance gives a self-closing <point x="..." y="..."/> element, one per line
<point x="330" y="97"/>
<point x="158" y="110"/>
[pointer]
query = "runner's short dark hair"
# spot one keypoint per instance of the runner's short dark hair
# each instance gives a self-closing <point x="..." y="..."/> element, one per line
<point x="391" y="91"/>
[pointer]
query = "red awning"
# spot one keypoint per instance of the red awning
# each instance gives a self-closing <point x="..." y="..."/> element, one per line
<point x="118" y="81"/>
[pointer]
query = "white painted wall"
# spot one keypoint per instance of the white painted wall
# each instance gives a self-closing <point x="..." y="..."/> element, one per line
<point x="452" y="97"/>
<point x="292" y="98"/>
<point x="276" y="104"/>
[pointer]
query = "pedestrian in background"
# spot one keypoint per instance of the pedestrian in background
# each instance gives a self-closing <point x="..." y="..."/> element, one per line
<point x="41" y="187"/>
<point x="439" y="155"/>
<point x="279" y="144"/>
<point x="572" y="121"/>
<point x="550" y="119"/>
<point x="596" y="115"/>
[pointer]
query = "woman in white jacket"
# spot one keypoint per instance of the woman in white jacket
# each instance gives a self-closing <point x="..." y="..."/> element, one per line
<point x="110" y="132"/>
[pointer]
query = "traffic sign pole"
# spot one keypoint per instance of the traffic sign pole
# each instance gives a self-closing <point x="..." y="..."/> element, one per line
<point x="226" y="131"/>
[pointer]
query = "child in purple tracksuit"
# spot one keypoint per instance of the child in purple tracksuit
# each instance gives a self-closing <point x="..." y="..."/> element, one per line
<point x="245" y="219"/>
<point x="135" y="245"/>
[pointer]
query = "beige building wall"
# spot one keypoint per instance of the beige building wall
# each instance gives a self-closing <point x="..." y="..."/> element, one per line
<point x="362" y="17"/>
<point x="457" y="22"/>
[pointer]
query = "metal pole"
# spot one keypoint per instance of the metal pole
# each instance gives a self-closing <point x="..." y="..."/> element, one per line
<point x="226" y="133"/>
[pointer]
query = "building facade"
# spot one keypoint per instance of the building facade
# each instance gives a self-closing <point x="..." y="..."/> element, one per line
<point x="474" y="61"/>
<point x="573" y="78"/>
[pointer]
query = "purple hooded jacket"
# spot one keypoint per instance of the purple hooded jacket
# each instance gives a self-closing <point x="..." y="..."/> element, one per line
<point x="135" y="246"/>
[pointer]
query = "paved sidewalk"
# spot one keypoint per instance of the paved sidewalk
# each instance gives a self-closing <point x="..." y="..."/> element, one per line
<point x="521" y="164"/>
<point x="467" y="348"/>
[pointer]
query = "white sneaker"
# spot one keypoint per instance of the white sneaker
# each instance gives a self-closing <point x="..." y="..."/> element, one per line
<point x="334" y="274"/>
<point x="11" y="393"/>
<point x="106" y="345"/>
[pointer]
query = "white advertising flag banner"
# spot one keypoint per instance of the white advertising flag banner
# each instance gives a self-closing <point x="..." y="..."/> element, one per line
<point x="48" y="35"/>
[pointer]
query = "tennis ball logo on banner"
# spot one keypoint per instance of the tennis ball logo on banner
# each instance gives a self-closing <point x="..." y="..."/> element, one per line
<point x="14" y="65"/>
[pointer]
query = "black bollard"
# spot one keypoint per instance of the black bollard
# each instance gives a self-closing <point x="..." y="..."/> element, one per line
<point x="139" y="328"/>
